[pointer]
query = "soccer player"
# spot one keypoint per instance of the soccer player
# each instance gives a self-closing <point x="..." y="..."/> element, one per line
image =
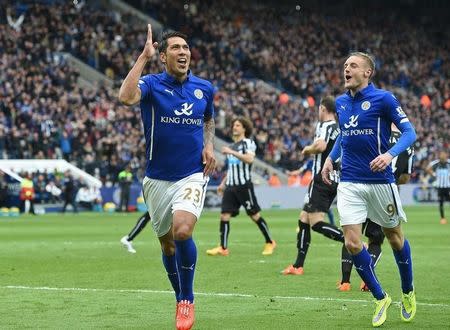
<point x="177" y="114"/>
<point x="237" y="187"/>
<point x="140" y="224"/>
<point x="440" y="170"/>
<point x="367" y="187"/>
<point x="308" y="166"/>
<point x="320" y="196"/>
<point x="402" y="167"/>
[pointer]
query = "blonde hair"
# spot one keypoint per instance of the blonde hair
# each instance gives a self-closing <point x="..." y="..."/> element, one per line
<point x="369" y="60"/>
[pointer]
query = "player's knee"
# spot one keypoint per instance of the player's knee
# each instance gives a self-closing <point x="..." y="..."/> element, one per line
<point x="255" y="217"/>
<point x="225" y="217"/>
<point x="394" y="237"/>
<point x="182" y="233"/>
<point x="396" y="241"/>
<point x="353" y="246"/>
<point x="304" y="217"/>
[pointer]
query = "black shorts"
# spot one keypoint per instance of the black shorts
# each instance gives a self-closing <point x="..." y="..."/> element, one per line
<point x="320" y="196"/>
<point x="373" y="231"/>
<point x="235" y="196"/>
<point x="444" y="194"/>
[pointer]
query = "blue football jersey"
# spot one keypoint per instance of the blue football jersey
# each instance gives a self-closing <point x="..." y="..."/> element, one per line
<point x="365" y="123"/>
<point x="173" y="115"/>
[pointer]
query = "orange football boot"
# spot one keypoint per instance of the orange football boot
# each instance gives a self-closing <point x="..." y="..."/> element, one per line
<point x="185" y="315"/>
<point x="291" y="270"/>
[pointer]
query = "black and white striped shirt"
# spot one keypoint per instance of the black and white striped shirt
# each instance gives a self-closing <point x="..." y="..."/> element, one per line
<point x="441" y="172"/>
<point x="327" y="131"/>
<point x="239" y="172"/>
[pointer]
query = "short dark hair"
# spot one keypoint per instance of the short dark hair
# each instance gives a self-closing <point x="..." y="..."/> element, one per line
<point x="169" y="34"/>
<point x="329" y="103"/>
<point x="248" y="126"/>
<point x="370" y="60"/>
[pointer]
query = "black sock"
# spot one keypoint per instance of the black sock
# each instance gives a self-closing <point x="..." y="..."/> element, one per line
<point x="262" y="225"/>
<point x="374" y="250"/>
<point x="140" y="224"/>
<point x="329" y="231"/>
<point x="441" y="207"/>
<point x="346" y="265"/>
<point x="303" y="240"/>
<point x="224" y="232"/>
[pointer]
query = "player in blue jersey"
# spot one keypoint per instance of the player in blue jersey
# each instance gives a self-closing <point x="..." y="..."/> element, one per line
<point x="402" y="167"/>
<point x="367" y="188"/>
<point x="177" y="114"/>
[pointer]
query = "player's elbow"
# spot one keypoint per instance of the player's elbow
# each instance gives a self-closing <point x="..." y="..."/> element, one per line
<point x="127" y="98"/>
<point x="249" y="159"/>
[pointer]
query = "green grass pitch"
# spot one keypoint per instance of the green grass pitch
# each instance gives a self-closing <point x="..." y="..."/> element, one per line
<point x="66" y="271"/>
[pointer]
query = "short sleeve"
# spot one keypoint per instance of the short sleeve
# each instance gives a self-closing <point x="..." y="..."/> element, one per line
<point x="250" y="146"/>
<point x="144" y="85"/>
<point x="322" y="133"/>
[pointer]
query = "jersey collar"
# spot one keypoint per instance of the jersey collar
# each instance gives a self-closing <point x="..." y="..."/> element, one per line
<point x="171" y="79"/>
<point x="363" y="92"/>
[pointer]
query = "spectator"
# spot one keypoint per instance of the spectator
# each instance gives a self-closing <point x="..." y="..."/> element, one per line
<point x="27" y="194"/>
<point x="70" y="192"/>
<point x="89" y="197"/>
<point x="125" y="180"/>
<point x="39" y="93"/>
<point x="3" y="191"/>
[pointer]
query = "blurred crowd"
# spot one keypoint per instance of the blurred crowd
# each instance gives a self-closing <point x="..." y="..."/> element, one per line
<point x="44" y="113"/>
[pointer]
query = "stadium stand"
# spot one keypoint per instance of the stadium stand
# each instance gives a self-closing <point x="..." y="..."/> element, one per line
<point x="44" y="113"/>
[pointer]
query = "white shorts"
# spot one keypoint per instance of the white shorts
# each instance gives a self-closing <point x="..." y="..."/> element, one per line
<point x="163" y="198"/>
<point x="378" y="202"/>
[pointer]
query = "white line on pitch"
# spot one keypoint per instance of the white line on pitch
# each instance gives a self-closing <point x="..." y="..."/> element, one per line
<point x="210" y="294"/>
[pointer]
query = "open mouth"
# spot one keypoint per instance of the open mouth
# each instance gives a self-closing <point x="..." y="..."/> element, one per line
<point x="347" y="77"/>
<point x="182" y="61"/>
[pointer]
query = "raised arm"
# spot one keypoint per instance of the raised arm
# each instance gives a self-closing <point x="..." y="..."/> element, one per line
<point x="129" y="92"/>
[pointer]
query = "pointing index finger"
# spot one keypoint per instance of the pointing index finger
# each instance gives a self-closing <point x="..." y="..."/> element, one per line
<point x="149" y="32"/>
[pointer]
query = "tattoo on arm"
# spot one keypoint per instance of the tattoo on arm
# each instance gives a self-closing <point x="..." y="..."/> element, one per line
<point x="209" y="129"/>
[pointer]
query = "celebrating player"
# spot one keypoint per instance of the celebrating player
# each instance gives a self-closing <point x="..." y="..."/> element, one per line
<point x="177" y="114"/>
<point x="367" y="187"/>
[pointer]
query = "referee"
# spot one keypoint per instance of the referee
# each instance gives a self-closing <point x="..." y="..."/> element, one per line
<point x="237" y="187"/>
<point x="440" y="170"/>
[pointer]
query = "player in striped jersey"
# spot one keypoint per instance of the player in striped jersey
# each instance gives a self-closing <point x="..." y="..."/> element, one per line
<point x="440" y="170"/>
<point x="237" y="187"/>
<point x="320" y="196"/>
<point x="140" y="224"/>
